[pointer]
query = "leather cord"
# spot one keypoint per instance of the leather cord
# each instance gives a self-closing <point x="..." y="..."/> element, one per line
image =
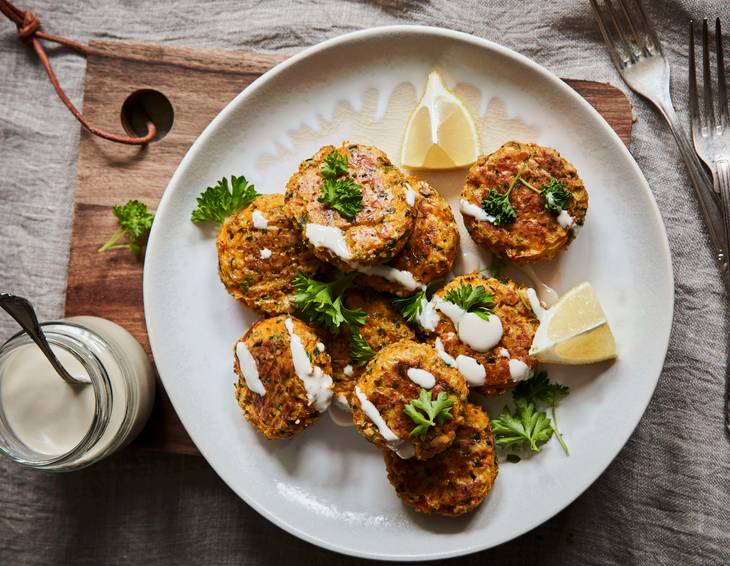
<point x="29" y="32"/>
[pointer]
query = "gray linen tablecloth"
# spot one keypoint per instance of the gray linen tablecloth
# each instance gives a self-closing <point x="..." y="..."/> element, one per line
<point x="664" y="500"/>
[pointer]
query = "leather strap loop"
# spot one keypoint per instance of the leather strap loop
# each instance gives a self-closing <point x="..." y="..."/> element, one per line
<point x="29" y="32"/>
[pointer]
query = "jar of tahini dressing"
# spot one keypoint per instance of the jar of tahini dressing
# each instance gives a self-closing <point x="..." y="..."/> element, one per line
<point x="49" y="424"/>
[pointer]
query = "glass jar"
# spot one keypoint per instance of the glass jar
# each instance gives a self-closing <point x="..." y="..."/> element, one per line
<point x="48" y="424"/>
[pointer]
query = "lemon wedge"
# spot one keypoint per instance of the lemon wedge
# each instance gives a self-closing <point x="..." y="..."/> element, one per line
<point x="440" y="133"/>
<point x="574" y="330"/>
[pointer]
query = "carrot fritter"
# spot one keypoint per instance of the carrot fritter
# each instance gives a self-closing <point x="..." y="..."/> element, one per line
<point x="377" y="232"/>
<point x="258" y="265"/>
<point x="455" y="481"/>
<point x="284" y="409"/>
<point x="386" y="384"/>
<point x="519" y="325"/>
<point x="430" y="251"/>
<point x="536" y="233"/>
<point x="383" y="326"/>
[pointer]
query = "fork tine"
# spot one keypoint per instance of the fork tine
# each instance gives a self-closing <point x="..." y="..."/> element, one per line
<point x="694" y="108"/>
<point x="707" y="78"/>
<point x="647" y="27"/>
<point x="625" y="43"/>
<point x="603" y="25"/>
<point x="721" y="83"/>
<point x="639" y="39"/>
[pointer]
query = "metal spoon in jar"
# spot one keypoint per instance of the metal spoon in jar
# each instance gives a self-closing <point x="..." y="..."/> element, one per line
<point x="24" y="314"/>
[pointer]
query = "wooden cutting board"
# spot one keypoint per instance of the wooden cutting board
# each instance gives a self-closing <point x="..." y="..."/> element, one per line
<point x="198" y="83"/>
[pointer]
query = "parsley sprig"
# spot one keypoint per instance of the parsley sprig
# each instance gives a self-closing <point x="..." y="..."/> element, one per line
<point x="135" y="222"/>
<point x="554" y="193"/>
<point x="339" y="191"/>
<point x="526" y="426"/>
<point x="411" y="306"/>
<point x="472" y="299"/>
<point x="220" y="201"/>
<point x="360" y="351"/>
<point x="498" y="206"/>
<point x="322" y="303"/>
<point x="425" y="412"/>
<point x="539" y="388"/>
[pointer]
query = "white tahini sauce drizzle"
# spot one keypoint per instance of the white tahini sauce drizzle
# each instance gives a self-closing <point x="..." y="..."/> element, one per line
<point x="504" y="352"/>
<point x="547" y="294"/>
<point x="317" y="383"/>
<point x="474" y="372"/>
<point x="421" y="377"/>
<point x="518" y="370"/>
<point x="249" y="369"/>
<point x="403" y="278"/>
<point x="260" y="221"/>
<point x="443" y="354"/>
<point x="477" y="212"/>
<point x="404" y="449"/>
<point x="565" y="220"/>
<point x="479" y="334"/>
<point x="330" y="237"/>
<point x="348" y="371"/>
<point x="428" y="318"/>
<point x="410" y="196"/>
<point x="535" y="304"/>
<point x="341" y="402"/>
<point x="265" y="253"/>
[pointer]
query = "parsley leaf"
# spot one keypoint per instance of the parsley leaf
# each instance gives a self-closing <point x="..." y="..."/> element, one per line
<point x="436" y="411"/>
<point x="343" y="195"/>
<point x="556" y="197"/>
<point x="539" y="388"/>
<point x="135" y="222"/>
<point x="339" y="191"/>
<point x="498" y="206"/>
<point x="321" y="303"/>
<point x="526" y="426"/>
<point x="360" y="351"/>
<point x="335" y="165"/>
<point x="220" y="201"/>
<point x="410" y="307"/>
<point x="472" y="299"/>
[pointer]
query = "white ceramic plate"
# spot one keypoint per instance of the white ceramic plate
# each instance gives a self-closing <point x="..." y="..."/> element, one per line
<point x="328" y="485"/>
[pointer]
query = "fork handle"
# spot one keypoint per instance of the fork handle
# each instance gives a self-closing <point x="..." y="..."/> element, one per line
<point x="722" y="184"/>
<point x="711" y="212"/>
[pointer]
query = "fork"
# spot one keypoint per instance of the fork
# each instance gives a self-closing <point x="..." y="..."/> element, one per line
<point x="637" y="55"/>
<point x="711" y="137"/>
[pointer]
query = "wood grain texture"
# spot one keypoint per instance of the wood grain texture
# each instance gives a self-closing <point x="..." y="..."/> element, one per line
<point x="198" y="83"/>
